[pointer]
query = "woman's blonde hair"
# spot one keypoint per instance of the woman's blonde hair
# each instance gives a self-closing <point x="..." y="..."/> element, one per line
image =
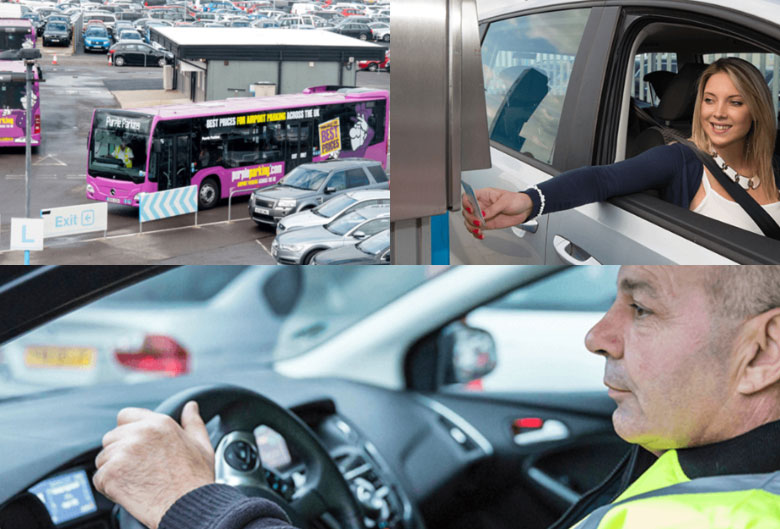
<point x="760" y="140"/>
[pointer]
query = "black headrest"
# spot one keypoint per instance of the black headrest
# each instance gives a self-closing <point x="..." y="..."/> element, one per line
<point x="680" y="96"/>
<point x="660" y="81"/>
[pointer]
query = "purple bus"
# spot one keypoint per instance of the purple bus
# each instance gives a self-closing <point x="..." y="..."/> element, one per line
<point x="231" y="146"/>
<point x="13" y="104"/>
<point x="16" y="33"/>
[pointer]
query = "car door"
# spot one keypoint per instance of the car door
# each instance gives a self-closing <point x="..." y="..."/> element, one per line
<point x="537" y="428"/>
<point x="528" y="62"/>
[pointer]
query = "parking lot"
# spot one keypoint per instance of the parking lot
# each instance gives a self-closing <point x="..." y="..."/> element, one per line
<point x="73" y="87"/>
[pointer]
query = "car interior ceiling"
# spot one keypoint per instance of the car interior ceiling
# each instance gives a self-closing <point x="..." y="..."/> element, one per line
<point x="676" y="92"/>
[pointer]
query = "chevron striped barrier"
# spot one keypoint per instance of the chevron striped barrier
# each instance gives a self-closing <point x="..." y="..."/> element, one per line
<point x="170" y="203"/>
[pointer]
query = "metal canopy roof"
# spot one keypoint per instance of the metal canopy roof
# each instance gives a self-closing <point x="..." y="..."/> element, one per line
<point x="263" y="44"/>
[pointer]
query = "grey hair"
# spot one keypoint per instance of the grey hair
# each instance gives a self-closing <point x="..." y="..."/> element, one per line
<point x="740" y="292"/>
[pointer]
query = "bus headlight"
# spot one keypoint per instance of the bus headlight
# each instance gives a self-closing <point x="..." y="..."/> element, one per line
<point x="286" y="203"/>
<point x="90" y="189"/>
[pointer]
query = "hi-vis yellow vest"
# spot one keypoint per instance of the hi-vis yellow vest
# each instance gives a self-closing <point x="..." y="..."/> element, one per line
<point x="665" y="498"/>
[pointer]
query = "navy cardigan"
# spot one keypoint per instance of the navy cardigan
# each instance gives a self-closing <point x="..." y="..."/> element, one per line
<point x="673" y="170"/>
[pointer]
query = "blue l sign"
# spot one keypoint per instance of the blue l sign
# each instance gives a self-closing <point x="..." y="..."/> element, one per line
<point x="24" y="235"/>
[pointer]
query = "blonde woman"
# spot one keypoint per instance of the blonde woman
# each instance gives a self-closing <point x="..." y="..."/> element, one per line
<point x="733" y="121"/>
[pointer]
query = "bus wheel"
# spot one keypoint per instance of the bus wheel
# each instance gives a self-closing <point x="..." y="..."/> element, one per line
<point x="310" y="256"/>
<point x="209" y="194"/>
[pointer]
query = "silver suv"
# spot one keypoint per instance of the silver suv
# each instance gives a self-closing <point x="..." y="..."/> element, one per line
<point x="311" y="184"/>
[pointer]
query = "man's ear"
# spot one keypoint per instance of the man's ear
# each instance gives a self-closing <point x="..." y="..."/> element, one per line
<point x="760" y="352"/>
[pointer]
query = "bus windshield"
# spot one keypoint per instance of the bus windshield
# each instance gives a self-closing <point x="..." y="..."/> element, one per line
<point x="303" y="177"/>
<point x="118" y="146"/>
<point x="334" y="205"/>
<point x="14" y="39"/>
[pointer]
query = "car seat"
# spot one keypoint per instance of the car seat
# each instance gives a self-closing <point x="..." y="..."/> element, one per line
<point x="674" y="111"/>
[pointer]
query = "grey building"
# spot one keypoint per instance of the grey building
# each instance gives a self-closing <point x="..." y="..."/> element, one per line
<point x="216" y="63"/>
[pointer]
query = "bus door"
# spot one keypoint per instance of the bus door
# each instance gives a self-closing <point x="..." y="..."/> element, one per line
<point x="299" y="142"/>
<point x="174" y="162"/>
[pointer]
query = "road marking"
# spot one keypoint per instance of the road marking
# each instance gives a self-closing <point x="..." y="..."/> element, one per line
<point x="76" y="177"/>
<point x="14" y="177"/>
<point x="264" y="248"/>
<point x="54" y="161"/>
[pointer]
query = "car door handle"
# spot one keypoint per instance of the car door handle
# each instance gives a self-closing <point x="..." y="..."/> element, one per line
<point x="529" y="227"/>
<point x="571" y="253"/>
<point x="551" y="430"/>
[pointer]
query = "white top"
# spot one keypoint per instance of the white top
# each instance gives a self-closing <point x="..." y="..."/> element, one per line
<point x="720" y="208"/>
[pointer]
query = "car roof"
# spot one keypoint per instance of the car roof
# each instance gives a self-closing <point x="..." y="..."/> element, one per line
<point x="368" y="194"/>
<point x="765" y="9"/>
<point x="330" y="165"/>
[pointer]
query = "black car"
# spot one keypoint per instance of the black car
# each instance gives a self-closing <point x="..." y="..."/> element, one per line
<point x="65" y="19"/>
<point x="138" y="54"/>
<point x="56" y="33"/>
<point x="354" y="29"/>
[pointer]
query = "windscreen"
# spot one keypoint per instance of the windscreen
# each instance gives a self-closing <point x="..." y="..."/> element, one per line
<point x="118" y="145"/>
<point x="344" y="223"/>
<point x="303" y="177"/>
<point x="334" y="205"/>
<point x="375" y="244"/>
<point x="14" y="38"/>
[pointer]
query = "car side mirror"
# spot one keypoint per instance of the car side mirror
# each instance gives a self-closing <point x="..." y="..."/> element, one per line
<point x="385" y="258"/>
<point x="329" y="190"/>
<point x="359" y="234"/>
<point x="468" y="353"/>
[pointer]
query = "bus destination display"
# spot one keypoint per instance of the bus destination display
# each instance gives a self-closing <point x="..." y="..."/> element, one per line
<point x="67" y="496"/>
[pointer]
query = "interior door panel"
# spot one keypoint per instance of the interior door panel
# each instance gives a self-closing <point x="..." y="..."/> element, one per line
<point x="548" y="450"/>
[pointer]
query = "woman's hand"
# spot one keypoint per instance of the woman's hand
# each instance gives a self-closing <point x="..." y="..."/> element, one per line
<point x="501" y="209"/>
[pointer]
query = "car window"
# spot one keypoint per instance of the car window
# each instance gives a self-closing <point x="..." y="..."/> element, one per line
<point x="378" y="173"/>
<point x="334" y="205"/>
<point x="375" y="226"/>
<point x="644" y="64"/>
<point x="527" y="62"/>
<point x="338" y="181"/>
<point x="539" y="332"/>
<point x="356" y="178"/>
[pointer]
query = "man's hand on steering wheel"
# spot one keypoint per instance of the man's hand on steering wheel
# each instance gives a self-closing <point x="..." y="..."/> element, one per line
<point x="148" y="461"/>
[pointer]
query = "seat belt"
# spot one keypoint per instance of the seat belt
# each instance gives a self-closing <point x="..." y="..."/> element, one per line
<point x="763" y="220"/>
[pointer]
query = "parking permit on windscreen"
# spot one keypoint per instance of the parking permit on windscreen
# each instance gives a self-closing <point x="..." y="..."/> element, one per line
<point x="474" y="202"/>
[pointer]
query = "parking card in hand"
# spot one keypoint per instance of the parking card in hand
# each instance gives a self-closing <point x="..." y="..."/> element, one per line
<point x="474" y="202"/>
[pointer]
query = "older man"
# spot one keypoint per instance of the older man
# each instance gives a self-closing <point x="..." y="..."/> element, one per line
<point x="692" y="361"/>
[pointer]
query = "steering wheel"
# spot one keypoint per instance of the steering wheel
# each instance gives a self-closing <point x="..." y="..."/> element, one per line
<point x="325" y="493"/>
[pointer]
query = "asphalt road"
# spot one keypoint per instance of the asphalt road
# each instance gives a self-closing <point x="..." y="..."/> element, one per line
<point x="72" y="89"/>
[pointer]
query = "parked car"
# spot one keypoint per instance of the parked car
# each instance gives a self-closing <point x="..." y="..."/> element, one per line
<point x="381" y="30"/>
<point x="56" y="33"/>
<point x="539" y="126"/>
<point x="372" y="251"/>
<point x="300" y="246"/>
<point x="96" y="39"/>
<point x="353" y="29"/>
<point x="138" y="334"/>
<point x="332" y="208"/>
<point x="65" y="19"/>
<point x="310" y="184"/>
<point x="360" y="358"/>
<point x="138" y="54"/>
<point x="374" y="66"/>
<point x="129" y="35"/>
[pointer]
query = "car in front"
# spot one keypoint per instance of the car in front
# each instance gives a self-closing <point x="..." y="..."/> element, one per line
<point x="332" y="208"/>
<point x="96" y="38"/>
<point x="372" y="251"/>
<point x="56" y="33"/>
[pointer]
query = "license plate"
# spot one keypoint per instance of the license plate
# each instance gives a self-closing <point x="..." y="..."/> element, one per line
<point x="59" y="357"/>
<point x="113" y="200"/>
<point x="262" y="211"/>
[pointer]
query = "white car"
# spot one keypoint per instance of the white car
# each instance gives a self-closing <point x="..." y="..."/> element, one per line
<point x="334" y="207"/>
<point x="381" y="31"/>
<point x="575" y="105"/>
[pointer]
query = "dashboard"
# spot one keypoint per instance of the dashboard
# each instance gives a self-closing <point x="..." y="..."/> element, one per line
<point x="381" y="441"/>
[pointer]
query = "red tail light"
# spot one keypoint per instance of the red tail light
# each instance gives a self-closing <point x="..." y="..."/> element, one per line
<point x="160" y="354"/>
<point x="37" y="125"/>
